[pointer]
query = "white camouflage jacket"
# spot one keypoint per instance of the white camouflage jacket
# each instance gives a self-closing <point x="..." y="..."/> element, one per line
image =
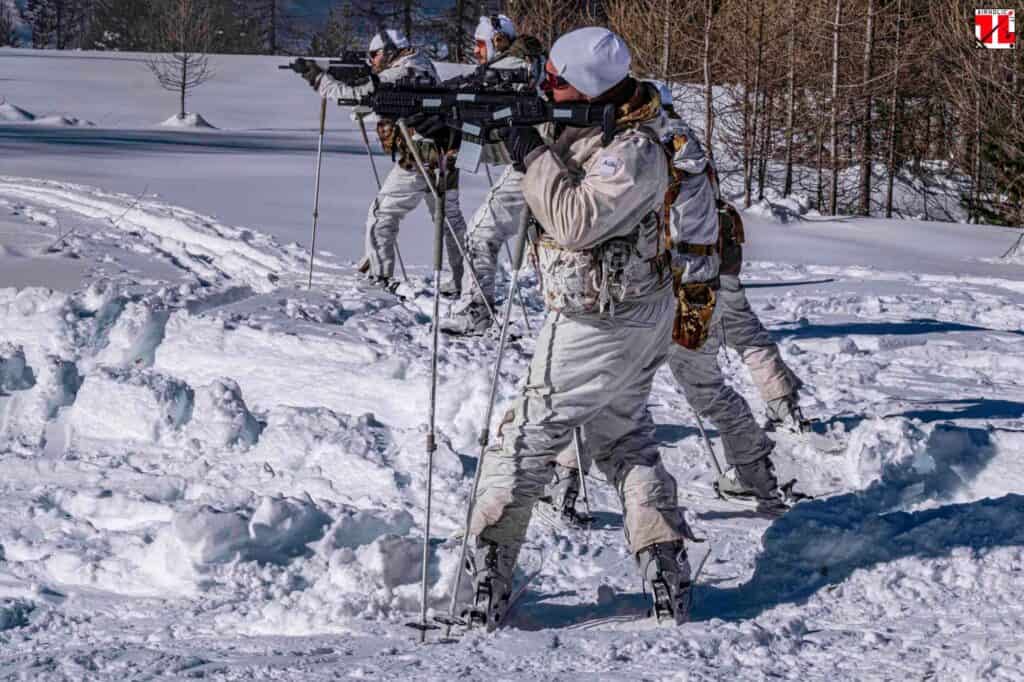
<point x="590" y="199"/>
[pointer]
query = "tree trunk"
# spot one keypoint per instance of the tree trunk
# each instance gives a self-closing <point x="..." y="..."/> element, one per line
<point x="748" y="180"/>
<point x="866" y="160"/>
<point x="709" y="115"/>
<point x="272" y="32"/>
<point x="821" y="154"/>
<point x="975" y="213"/>
<point x="834" y="142"/>
<point x="666" y="38"/>
<point x="787" y="184"/>
<point x="184" y="81"/>
<point x="766" y="147"/>
<point x="894" y="105"/>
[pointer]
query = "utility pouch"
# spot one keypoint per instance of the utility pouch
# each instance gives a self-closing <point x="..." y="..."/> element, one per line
<point x="695" y="304"/>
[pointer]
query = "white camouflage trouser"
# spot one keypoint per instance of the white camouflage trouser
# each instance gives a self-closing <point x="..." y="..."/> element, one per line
<point x="493" y="224"/>
<point x="745" y="334"/>
<point x="402" y="192"/>
<point x="700" y="375"/>
<point x="595" y="373"/>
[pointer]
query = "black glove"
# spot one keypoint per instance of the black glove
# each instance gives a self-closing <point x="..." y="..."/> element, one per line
<point x="311" y="72"/>
<point x="520" y="141"/>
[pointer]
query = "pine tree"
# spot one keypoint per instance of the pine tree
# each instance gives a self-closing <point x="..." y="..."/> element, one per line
<point x="8" y="25"/>
<point x="337" y="35"/>
<point x="57" y="23"/>
<point x="120" y="25"/>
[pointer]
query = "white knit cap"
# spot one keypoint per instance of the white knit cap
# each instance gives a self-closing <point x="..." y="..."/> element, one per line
<point x="400" y="41"/>
<point x="592" y="59"/>
<point x="485" y="31"/>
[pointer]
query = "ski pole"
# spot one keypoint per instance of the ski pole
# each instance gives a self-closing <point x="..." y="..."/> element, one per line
<point x="422" y="626"/>
<point x="433" y="190"/>
<point x="577" y="439"/>
<point x="380" y="186"/>
<point x="316" y="191"/>
<point x="508" y="250"/>
<point x="485" y="430"/>
<point x="707" y="443"/>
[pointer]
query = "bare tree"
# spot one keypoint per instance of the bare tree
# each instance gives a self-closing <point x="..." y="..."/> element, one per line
<point x="894" y="108"/>
<point x="834" y="143"/>
<point x="183" y="30"/>
<point x="866" y="159"/>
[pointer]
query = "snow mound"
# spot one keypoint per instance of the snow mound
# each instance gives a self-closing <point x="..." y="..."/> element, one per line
<point x="188" y="121"/>
<point x="12" y="114"/>
<point x="135" y="335"/>
<point x="335" y="456"/>
<point x="274" y="532"/>
<point x="138" y="406"/>
<point x="220" y="418"/>
<point x="62" y="121"/>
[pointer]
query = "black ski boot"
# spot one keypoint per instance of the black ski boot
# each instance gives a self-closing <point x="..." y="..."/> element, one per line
<point x="562" y="493"/>
<point x="758" y="477"/>
<point x="491" y="567"/>
<point x="666" y="567"/>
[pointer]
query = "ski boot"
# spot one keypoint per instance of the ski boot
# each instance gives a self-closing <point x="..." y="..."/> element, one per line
<point x="451" y="288"/>
<point x="755" y="484"/>
<point x="491" y="567"/>
<point x="666" y="567"/>
<point x="468" y="320"/>
<point x="384" y="282"/>
<point x="784" y="415"/>
<point x="561" y="496"/>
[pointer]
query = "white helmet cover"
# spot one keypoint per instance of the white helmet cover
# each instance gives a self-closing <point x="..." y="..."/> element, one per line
<point x="491" y="24"/>
<point x="592" y="59"/>
<point x="397" y="39"/>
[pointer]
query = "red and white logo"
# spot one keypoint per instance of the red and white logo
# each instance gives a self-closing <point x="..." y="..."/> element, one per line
<point x="995" y="29"/>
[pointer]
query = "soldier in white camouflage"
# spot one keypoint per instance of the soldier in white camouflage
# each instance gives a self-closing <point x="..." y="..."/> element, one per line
<point x="392" y="58"/>
<point x="499" y="50"/>
<point x="609" y="291"/>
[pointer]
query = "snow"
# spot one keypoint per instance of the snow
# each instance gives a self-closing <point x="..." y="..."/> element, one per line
<point x="12" y="114"/>
<point x="187" y="121"/>
<point x="209" y="470"/>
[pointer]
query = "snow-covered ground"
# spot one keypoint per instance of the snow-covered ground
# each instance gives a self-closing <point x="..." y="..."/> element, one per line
<point x="209" y="471"/>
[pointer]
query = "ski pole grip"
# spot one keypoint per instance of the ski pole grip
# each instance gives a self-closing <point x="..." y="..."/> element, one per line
<point x="524" y="228"/>
<point x="439" y="220"/>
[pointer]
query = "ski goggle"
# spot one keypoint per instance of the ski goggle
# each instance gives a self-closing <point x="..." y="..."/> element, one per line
<point x="481" y="45"/>
<point x="553" y="81"/>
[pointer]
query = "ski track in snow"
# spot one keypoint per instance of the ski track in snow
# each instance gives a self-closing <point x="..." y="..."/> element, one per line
<point x="210" y="472"/>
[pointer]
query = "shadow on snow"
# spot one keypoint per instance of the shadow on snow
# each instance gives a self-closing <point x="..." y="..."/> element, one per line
<point x="822" y="542"/>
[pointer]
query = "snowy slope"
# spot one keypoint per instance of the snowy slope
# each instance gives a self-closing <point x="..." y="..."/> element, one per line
<point x="209" y="471"/>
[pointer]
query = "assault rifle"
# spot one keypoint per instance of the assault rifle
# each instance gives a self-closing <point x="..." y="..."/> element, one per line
<point x="350" y="68"/>
<point x="478" y="113"/>
<point x="473" y="106"/>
